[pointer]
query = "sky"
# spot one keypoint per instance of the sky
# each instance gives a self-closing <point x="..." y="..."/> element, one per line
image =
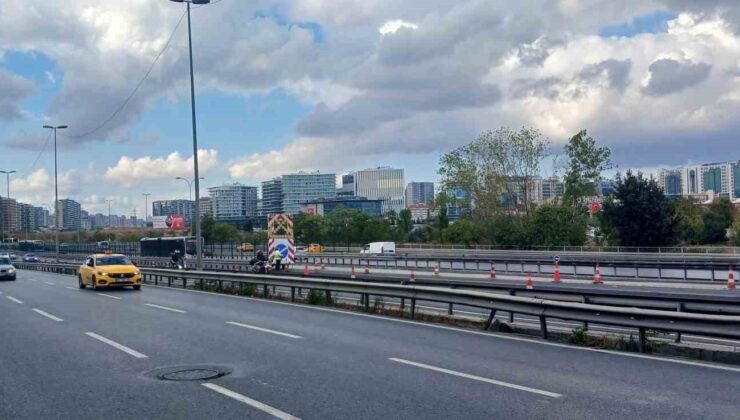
<point x="341" y="85"/>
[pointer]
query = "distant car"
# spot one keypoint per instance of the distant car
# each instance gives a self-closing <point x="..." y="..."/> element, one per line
<point x="316" y="249"/>
<point x="300" y="249"/>
<point x="245" y="247"/>
<point x="7" y="270"/>
<point x="13" y="257"/>
<point x="109" y="270"/>
<point x="30" y="258"/>
<point x="379" y="248"/>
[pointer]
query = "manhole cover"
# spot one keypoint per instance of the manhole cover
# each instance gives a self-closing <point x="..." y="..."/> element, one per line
<point x="191" y="375"/>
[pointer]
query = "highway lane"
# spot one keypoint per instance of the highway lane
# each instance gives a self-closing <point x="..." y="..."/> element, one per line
<point x="342" y="366"/>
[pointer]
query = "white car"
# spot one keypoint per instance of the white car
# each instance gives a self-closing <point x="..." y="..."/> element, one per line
<point x="7" y="270"/>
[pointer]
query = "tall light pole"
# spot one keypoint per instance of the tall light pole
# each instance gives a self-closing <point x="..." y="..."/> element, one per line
<point x="146" y="208"/>
<point x="190" y="186"/>
<point x="198" y="244"/>
<point x="110" y="221"/>
<point x="56" y="188"/>
<point x="7" y="179"/>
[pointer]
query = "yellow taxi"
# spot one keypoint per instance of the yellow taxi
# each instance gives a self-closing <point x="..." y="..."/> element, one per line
<point x="107" y="271"/>
<point x="315" y="249"/>
<point x="245" y="247"/>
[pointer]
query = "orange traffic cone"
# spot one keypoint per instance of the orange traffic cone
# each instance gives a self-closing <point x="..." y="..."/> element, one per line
<point x="353" y="273"/>
<point x="597" y="275"/>
<point x="436" y="270"/>
<point x="556" y="274"/>
<point x="530" y="285"/>
<point x="305" y="270"/>
<point x="493" y="271"/>
<point x="367" y="269"/>
<point x="731" y="280"/>
<point x="286" y="268"/>
<point x="412" y="276"/>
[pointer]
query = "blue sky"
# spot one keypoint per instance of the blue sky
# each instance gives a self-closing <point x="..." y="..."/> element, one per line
<point x="282" y="63"/>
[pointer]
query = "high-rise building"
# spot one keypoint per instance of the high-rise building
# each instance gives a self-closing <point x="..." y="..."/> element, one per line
<point x="419" y="193"/>
<point x="69" y="217"/>
<point x="272" y="197"/>
<point x="703" y="181"/>
<point x="234" y="203"/>
<point x="205" y="206"/>
<point x="9" y="215"/>
<point x="171" y="207"/>
<point x="670" y="181"/>
<point x="382" y="183"/>
<point x="41" y="217"/>
<point x="301" y="187"/>
<point x="27" y="217"/>
<point x="286" y="193"/>
<point x="460" y="203"/>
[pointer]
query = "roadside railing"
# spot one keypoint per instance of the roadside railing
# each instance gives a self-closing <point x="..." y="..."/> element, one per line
<point x="710" y="325"/>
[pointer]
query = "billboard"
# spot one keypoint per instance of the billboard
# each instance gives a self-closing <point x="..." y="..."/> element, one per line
<point x="280" y="238"/>
<point x="173" y="221"/>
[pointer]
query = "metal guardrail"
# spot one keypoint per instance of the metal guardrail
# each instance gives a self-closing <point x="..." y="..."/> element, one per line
<point x="711" y="325"/>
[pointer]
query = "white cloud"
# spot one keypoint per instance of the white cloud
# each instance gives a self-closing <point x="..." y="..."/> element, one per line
<point x="129" y="172"/>
<point x="391" y="26"/>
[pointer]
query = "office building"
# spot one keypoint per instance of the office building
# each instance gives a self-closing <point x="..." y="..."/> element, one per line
<point x="233" y="203"/>
<point x="348" y="186"/>
<point x="286" y="193"/>
<point x="27" y="217"/>
<point x="186" y="208"/>
<point x="460" y="203"/>
<point x="382" y="183"/>
<point x="419" y="192"/>
<point x="420" y="212"/>
<point x="205" y="206"/>
<point x="552" y="188"/>
<point x="69" y="217"/>
<point x="325" y="206"/>
<point x="41" y="217"/>
<point x="9" y="215"/>
<point x="703" y="181"/>
<point x="604" y="187"/>
<point x="272" y="197"/>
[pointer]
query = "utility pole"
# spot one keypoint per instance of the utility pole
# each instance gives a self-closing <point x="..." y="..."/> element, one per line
<point x="56" y="189"/>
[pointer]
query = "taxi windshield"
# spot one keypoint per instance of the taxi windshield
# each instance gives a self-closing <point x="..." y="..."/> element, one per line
<point x="113" y="260"/>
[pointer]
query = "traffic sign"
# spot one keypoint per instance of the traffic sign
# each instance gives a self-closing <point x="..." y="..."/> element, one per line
<point x="556" y="258"/>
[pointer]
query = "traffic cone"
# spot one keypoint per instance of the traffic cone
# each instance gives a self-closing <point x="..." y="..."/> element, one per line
<point x="436" y="270"/>
<point x="353" y="273"/>
<point x="530" y="285"/>
<point x="286" y="268"/>
<point x="305" y="270"/>
<point x="367" y="269"/>
<point x="412" y="276"/>
<point x="597" y="275"/>
<point x="493" y="271"/>
<point x="556" y="274"/>
<point x="731" y="280"/>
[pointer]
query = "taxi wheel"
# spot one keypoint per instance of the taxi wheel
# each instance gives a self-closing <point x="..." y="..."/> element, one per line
<point x="80" y="283"/>
<point x="137" y="287"/>
<point x="94" y="286"/>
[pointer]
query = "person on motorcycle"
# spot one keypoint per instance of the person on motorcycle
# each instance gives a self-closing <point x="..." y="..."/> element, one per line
<point x="261" y="256"/>
<point x="175" y="259"/>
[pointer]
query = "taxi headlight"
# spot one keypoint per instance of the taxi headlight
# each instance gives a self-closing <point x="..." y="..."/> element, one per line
<point x="100" y="273"/>
<point x="136" y="273"/>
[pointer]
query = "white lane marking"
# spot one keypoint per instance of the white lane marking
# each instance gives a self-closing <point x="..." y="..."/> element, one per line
<point x="112" y="343"/>
<point x="252" y="327"/>
<point x="165" y="308"/>
<point x="48" y="315"/>
<point x="14" y="299"/>
<point x="72" y="288"/>
<point x="33" y="279"/>
<point x="254" y="403"/>
<point x="460" y="330"/>
<point x="108" y="296"/>
<point x="477" y="378"/>
<point x="50" y="283"/>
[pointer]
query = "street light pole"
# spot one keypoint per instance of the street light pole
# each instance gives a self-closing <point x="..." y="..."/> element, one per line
<point x="56" y="188"/>
<point x="146" y="208"/>
<point x="190" y="187"/>
<point x="110" y="221"/>
<point x="198" y="244"/>
<point x="7" y="179"/>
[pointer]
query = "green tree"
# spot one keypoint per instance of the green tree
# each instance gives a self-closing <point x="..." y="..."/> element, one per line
<point x="586" y="162"/>
<point x="310" y="228"/>
<point x="497" y="163"/>
<point x="405" y="224"/>
<point x="717" y="220"/>
<point x="464" y="231"/>
<point x="640" y="213"/>
<point x="224" y="232"/>
<point x="559" y="225"/>
<point x="735" y="232"/>
<point x="690" y="217"/>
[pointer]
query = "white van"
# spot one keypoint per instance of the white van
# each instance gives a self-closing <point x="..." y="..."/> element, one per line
<point x="379" y="248"/>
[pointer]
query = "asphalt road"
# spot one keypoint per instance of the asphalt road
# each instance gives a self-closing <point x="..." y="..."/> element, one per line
<point x="77" y="354"/>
